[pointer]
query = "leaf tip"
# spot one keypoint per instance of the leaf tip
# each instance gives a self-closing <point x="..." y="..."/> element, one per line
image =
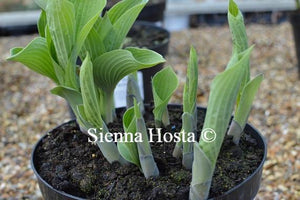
<point x="233" y="8"/>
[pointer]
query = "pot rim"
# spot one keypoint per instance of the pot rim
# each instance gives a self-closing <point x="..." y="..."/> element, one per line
<point x="248" y="125"/>
<point x="38" y="175"/>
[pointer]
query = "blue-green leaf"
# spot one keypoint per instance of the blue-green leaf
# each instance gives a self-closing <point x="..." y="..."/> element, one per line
<point x="90" y="95"/>
<point x="129" y="149"/>
<point x="86" y="14"/>
<point x="122" y="17"/>
<point x="36" y="57"/>
<point x="191" y="84"/>
<point x="224" y="91"/>
<point x="247" y="98"/>
<point x="72" y="96"/>
<point x="188" y="149"/>
<point x="202" y="175"/>
<point x="42" y="23"/>
<point x="111" y="67"/>
<point x="61" y="22"/>
<point x="164" y="84"/>
<point x="241" y="115"/>
<point x="94" y="45"/>
<point x="146" y="158"/>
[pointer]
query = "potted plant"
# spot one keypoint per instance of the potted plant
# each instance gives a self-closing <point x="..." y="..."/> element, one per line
<point x="135" y="163"/>
<point x="295" y="22"/>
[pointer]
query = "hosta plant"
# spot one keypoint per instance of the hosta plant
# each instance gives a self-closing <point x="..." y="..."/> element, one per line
<point x="230" y="89"/>
<point x="75" y="28"/>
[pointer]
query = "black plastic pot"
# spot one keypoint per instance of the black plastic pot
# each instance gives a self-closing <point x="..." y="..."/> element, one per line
<point x="161" y="48"/>
<point x="295" y="22"/>
<point x="246" y="190"/>
<point x="18" y="30"/>
<point x="48" y="192"/>
<point x="152" y="12"/>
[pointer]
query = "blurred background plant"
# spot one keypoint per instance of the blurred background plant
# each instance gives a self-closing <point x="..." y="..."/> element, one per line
<point x="16" y="5"/>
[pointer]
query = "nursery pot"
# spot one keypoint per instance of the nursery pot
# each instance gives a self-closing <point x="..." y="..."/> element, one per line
<point x="246" y="190"/>
<point x="152" y="12"/>
<point x="295" y="22"/>
<point x="148" y="35"/>
<point x="18" y="30"/>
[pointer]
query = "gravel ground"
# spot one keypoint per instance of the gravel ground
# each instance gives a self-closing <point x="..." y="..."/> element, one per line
<point x="28" y="109"/>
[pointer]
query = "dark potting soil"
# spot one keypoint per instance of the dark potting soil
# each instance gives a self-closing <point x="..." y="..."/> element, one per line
<point x="68" y="162"/>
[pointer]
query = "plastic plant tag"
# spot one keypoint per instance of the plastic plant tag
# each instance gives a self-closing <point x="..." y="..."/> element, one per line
<point x="120" y="91"/>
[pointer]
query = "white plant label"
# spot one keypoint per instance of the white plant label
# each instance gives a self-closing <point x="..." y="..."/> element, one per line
<point x="120" y="91"/>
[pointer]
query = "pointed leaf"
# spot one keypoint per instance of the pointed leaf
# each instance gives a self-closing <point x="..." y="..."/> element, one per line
<point x="129" y="121"/>
<point x="106" y="32"/>
<point x="94" y="45"/>
<point x="42" y="23"/>
<point x="90" y="95"/>
<point x="237" y="28"/>
<point x="129" y="149"/>
<point x="86" y="14"/>
<point x="50" y="44"/>
<point x="247" y="98"/>
<point x="61" y="22"/>
<point x="191" y="84"/>
<point x="116" y="12"/>
<point x="122" y="16"/>
<point x="36" y="57"/>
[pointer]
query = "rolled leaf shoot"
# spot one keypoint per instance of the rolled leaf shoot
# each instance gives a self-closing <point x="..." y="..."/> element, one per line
<point x="224" y="91"/>
<point x="147" y="162"/>
<point x="164" y="84"/>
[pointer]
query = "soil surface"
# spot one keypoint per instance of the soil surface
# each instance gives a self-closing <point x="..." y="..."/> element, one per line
<point x="68" y="162"/>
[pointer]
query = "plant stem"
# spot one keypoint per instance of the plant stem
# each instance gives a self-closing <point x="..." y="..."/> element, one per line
<point x="177" y="152"/>
<point x="133" y="92"/>
<point x="110" y="150"/>
<point x="148" y="164"/>
<point x="107" y="106"/>
<point x="188" y="150"/>
<point x="165" y="118"/>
